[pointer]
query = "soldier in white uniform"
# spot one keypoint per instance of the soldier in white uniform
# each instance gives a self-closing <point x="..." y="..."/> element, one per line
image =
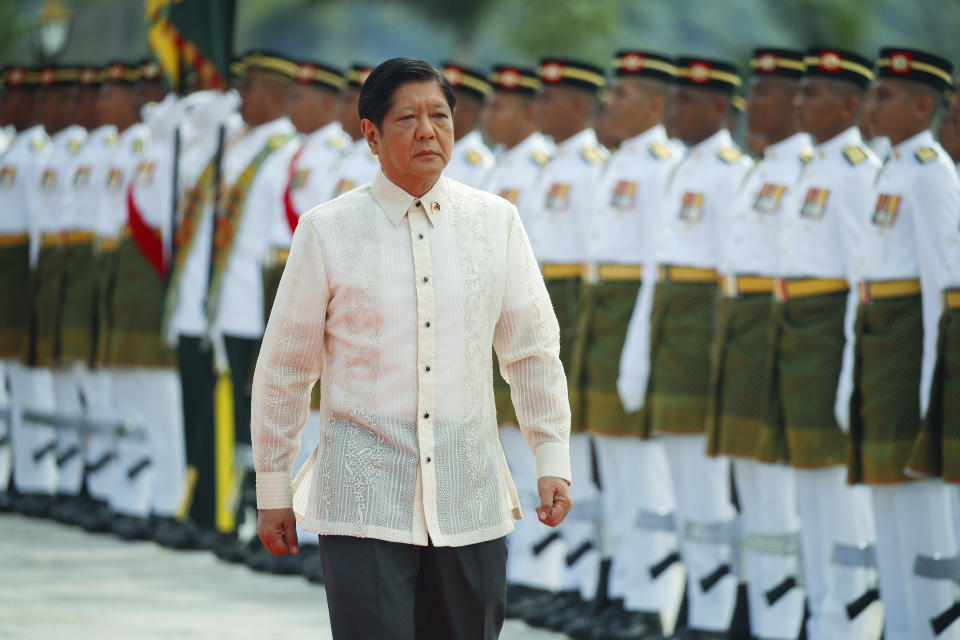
<point x="359" y="165"/>
<point x="471" y="159"/>
<point x="508" y="121"/>
<point x="812" y="313"/>
<point x="748" y="234"/>
<point x="632" y="469"/>
<point x="907" y="246"/>
<point x="700" y="190"/>
<point x="559" y="209"/>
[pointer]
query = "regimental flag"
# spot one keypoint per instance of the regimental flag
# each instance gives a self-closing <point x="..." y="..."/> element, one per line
<point x="48" y="181"/>
<point x="558" y="197"/>
<point x="624" y="195"/>
<point x="197" y="34"/>
<point x="343" y="186"/>
<point x="691" y="207"/>
<point x="510" y="195"/>
<point x="81" y="178"/>
<point x="768" y="198"/>
<point x="815" y="203"/>
<point x="7" y="176"/>
<point x="298" y="179"/>
<point x="885" y="213"/>
<point x="114" y="180"/>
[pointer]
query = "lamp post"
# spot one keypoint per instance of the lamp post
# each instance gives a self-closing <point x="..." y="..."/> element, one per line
<point x="52" y="31"/>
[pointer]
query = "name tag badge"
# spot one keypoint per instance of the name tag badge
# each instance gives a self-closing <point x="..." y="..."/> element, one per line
<point x="510" y="195"/>
<point x="7" y="177"/>
<point x="768" y="198"/>
<point x="343" y="186"/>
<point x="885" y="212"/>
<point x="299" y="179"/>
<point x="624" y="195"/>
<point x="691" y="207"/>
<point x="48" y="181"/>
<point x="558" y="197"/>
<point x="815" y="203"/>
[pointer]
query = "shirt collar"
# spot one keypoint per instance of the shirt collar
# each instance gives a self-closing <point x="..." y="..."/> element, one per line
<point x="717" y="141"/>
<point x="396" y="202"/>
<point x="791" y="145"/>
<point x="654" y="134"/>
<point x="911" y="144"/>
<point x="850" y="137"/>
<point x="573" y="144"/>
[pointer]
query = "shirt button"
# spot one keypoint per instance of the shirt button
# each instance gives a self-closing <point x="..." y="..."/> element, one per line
<point x="427" y="323"/>
<point x="417" y="203"/>
<point x="426" y="279"/>
<point x="420" y="236"/>
<point x="426" y="416"/>
<point x="428" y="367"/>
<point x="428" y="458"/>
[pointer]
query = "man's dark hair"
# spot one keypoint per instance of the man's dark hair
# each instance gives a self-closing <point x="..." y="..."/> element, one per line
<point x="376" y="96"/>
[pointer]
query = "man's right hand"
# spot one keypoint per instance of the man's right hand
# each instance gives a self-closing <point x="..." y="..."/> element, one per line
<point x="277" y="529"/>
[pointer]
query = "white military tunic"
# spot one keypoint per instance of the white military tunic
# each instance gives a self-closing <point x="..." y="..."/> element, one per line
<point x="470" y="161"/>
<point x="356" y="168"/>
<point x="517" y="171"/>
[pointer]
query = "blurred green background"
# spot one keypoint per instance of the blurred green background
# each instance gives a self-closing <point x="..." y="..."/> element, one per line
<point x="481" y="32"/>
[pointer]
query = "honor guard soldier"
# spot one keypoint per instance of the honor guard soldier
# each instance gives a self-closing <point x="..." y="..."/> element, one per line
<point x="812" y="312"/>
<point x="254" y="177"/>
<point x="947" y="136"/>
<point x="748" y="235"/>
<point x="905" y="258"/>
<point x="508" y="121"/>
<point x="359" y="165"/>
<point x="210" y="123"/>
<point x="471" y="159"/>
<point x="618" y="236"/>
<point x="702" y="187"/>
<point x="560" y="207"/>
<point x="19" y="170"/>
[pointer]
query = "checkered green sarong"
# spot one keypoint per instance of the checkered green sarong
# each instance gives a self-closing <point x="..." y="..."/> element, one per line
<point x="565" y="297"/>
<point x="76" y="327"/>
<point x="739" y="372"/>
<point x="885" y="407"/>
<point x="46" y="286"/>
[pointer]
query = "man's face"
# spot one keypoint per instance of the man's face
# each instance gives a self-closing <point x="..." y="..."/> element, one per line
<point x="57" y="107"/>
<point x="347" y="113"/>
<point x="948" y="135"/>
<point x="628" y="107"/>
<point x="769" y="105"/>
<point x="553" y="107"/>
<point x="261" y="99"/>
<point x="416" y="138"/>
<point x="893" y="113"/>
<point x="501" y="115"/>
<point x="692" y="114"/>
<point x="310" y="107"/>
<point x="819" y="108"/>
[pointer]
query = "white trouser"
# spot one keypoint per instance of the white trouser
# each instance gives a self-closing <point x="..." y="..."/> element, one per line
<point x="97" y="387"/>
<point x="582" y="524"/>
<point x="832" y="512"/>
<point x="34" y="445"/>
<point x="913" y="518"/>
<point x="152" y="471"/>
<point x="70" y="442"/>
<point x="6" y="444"/>
<point x="701" y="485"/>
<point x="768" y="509"/>
<point x="524" y="567"/>
<point x="309" y="439"/>
<point x="635" y="479"/>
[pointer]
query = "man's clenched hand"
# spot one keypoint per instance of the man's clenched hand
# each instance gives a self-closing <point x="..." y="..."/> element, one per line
<point x="555" y="501"/>
<point x="277" y="529"/>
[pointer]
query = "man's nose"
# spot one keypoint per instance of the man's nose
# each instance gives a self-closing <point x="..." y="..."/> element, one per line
<point x="425" y="129"/>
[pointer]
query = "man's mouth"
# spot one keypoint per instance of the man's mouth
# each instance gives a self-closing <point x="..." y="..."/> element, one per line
<point x="425" y="153"/>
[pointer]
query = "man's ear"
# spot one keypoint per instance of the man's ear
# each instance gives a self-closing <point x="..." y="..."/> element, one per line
<point x="851" y="105"/>
<point x="371" y="134"/>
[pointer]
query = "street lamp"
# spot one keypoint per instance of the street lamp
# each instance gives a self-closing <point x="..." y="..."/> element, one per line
<point x="52" y="30"/>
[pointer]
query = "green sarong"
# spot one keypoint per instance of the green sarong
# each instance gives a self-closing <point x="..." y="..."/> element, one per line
<point x="681" y="330"/>
<point x="136" y="312"/>
<point x="737" y="405"/>
<point x="105" y="261"/>
<point x="14" y="312"/>
<point x="76" y="326"/>
<point x="885" y="407"/>
<point x="45" y="308"/>
<point x="605" y="310"/>
<point x="937" y="449"/>
<point x="565" y="296"/>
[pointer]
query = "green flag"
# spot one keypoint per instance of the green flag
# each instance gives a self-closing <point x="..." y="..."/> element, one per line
<point x="195" y="34"/>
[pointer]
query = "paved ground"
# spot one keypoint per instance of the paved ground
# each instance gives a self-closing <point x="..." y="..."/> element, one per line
<point x="61" y="582"/>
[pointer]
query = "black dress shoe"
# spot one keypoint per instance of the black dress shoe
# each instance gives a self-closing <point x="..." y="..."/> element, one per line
<point x="583" y="627"/>
<point x="533" y="601"/>
<point x="563" y="601"/>
<point x="693" y="634"/>
<point x="238" y="552"/>
<point x="34" y="505"/>
<point x="559" y="619"/>
<point x="175" y="534"/>
<point x="289" y="564"/>
<point x="132" y="528"/>
<point x="6" y="501"/>
<point x="630" y="625"/>
<point x="97" y="518"/>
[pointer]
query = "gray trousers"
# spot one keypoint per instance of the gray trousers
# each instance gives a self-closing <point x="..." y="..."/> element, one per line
<point x="379" y="590"/>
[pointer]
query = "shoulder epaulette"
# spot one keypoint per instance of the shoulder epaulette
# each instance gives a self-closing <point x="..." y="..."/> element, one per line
<point x="591" y="155"/>
<point x="729" y="154"/>
<point x="335" y="142"/>
<point x="660" y="151"/>
<point x="854" y="155"/>
<point x="137" y="145"/>
<point x="540" y="158"/>
<point x="925" y="155"/>
<point x="111" y="140"/>
<point x="37" y="143"/>
<point x="806" y="157"/>
<point x="280" y="139"/>
<point x="474" y="157"/>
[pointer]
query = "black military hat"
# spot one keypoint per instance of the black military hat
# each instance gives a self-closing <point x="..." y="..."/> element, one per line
<point x="825" y="62"/>
<point x="465" y="79"/>
<point x="117" y="72"/>
<point x="17" y="76"/>
<point x="783" y="63"/>
<point x="269" y="64"/>
<point x="510" y="78"/>
<point x="644" y="64"/>
<point x="911" y="64"/>
<point x="89" y="76"/>
<point x="705" y="73"/>
<point x="320" y="75"/>
<point x="571" y="73"/>
<point x="58" y="76"/>
<point x="357" y="74"/>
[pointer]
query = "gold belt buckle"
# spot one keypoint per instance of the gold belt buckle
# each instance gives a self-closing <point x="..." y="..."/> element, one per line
<point x="780" y="289"/>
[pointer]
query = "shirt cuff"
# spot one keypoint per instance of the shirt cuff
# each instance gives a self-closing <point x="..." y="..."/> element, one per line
<point x="553" y="459"/>
<point x="274" y="490"/>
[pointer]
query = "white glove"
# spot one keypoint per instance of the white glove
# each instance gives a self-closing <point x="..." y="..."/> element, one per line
<point x="632" y="391"/>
